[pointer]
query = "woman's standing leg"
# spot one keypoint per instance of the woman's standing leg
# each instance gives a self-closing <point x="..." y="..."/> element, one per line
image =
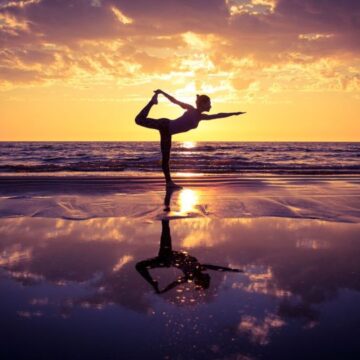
<point x="165" y="143"/>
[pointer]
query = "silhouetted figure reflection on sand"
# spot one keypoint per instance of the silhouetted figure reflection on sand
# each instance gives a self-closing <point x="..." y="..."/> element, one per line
<point x="192" y="270"/>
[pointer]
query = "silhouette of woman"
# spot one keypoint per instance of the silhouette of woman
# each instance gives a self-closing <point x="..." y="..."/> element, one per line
<point x="189" y="120"/>
<point x="192" y="270"/>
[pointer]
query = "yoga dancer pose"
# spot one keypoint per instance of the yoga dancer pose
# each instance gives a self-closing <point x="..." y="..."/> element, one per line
<point x="189" y="120"/>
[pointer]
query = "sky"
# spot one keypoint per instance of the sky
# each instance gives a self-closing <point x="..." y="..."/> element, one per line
<point x="83" y="69"/>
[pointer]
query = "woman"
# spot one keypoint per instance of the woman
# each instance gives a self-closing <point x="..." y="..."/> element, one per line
<point x="189" y="120"/>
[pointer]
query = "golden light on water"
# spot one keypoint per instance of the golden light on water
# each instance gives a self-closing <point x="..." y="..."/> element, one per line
<point x="189" y="144"/>
<point x="188" y="199"/>
<point x="189" y="174"/>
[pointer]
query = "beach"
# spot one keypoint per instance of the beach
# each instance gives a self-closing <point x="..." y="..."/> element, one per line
<point x="179" y="180"/>
<point x="281" y="253"/>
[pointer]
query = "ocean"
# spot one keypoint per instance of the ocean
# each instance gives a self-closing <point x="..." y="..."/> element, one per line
<point x="241" y="263"/>
<point x="195" y="157"/>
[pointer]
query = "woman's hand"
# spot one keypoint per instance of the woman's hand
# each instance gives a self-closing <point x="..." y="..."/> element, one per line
<point x="240" y="113"/>
<point x="158" y="91"/>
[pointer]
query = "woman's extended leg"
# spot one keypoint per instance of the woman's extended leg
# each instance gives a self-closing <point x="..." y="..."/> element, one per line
<point x="142" y="119"/>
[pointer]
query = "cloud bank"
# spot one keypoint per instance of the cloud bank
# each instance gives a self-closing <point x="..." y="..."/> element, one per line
<point x="232" y="47"/>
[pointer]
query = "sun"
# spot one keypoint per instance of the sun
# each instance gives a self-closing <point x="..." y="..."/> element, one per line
<point x="189" y="144"/>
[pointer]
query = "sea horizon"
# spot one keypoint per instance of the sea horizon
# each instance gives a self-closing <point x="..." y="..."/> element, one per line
<point x="207" y="157"/>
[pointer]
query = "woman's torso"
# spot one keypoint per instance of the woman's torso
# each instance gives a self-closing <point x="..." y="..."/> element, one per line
<point x="187" y="121"/>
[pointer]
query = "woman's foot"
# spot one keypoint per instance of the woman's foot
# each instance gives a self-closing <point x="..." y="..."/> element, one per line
<point x="154" y="99"/>
<point x="173" y="186"/>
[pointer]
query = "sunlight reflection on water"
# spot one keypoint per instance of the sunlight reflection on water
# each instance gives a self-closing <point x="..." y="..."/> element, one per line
<point x="188" y="199"/>
<point x="85" y="273"/>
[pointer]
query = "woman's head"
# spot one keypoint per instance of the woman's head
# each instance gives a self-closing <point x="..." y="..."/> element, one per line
<point x="203" y="103"/>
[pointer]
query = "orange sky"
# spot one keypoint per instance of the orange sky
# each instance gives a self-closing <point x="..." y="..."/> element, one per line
<point x="81" y="70"/>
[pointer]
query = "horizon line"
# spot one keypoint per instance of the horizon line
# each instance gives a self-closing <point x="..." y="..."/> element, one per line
<point x="183" y="141"/>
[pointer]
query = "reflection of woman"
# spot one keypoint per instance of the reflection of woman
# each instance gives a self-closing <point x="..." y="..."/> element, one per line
<point x="189" y="120"/>
<point x="189" y="265"/>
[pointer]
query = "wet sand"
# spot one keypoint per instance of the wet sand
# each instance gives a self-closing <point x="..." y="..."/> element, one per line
<point x="332" y="198"/>
<point x="73" y="254"/>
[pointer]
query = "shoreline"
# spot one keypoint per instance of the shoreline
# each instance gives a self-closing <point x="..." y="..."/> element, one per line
<point x="135" y="182"/>
<point x="334" y="198"/>
<point x="159" y="175"/>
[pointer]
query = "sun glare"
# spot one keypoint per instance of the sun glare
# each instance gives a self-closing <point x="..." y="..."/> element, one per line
<point x="189" y="144"/>
<point x="188" y="199"/>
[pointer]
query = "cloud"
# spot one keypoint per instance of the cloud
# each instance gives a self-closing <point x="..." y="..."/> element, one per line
<point x="229" y="47"/>
<point x="6" y="4"/>
<point x="252" y="7"/>
<point x="120" y="16"/>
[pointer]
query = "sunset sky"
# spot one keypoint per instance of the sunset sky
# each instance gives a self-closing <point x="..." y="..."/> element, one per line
<point x="82" y="69"/>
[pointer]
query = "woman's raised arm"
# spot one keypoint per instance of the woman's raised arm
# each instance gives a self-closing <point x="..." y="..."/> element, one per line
<point x="174" y="101"/>
<point x="220" y="115"/>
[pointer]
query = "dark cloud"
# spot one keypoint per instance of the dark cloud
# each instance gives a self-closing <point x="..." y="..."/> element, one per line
<point x="279" y="32"/>
<point x="68" y="20"/>
<point x="71" y="20"/>
<point x="270" y="37"/>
